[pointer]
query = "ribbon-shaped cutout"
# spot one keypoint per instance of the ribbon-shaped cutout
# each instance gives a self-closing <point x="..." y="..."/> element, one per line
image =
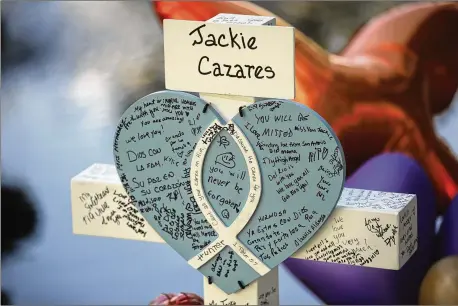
<point x="227" y="235"/>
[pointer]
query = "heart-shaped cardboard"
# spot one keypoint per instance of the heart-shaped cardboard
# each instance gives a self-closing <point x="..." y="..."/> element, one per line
<point x="237" y="199"/>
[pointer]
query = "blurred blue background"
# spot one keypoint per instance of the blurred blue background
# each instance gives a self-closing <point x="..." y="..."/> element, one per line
<point x="69" y="69"/>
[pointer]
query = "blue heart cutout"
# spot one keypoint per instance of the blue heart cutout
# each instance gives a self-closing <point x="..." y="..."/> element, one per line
<point x="301" y="173"/>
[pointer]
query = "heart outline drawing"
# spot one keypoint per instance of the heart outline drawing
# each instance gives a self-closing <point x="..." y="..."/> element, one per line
<point x="156" y="148"/>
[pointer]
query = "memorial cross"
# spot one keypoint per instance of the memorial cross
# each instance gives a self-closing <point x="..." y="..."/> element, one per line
<point x="367" y="228"/>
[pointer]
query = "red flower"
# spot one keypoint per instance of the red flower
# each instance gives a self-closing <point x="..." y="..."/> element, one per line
<point x="177" y="299"/>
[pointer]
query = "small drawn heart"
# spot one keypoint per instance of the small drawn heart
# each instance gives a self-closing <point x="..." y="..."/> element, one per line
<point x="234" y="199"/>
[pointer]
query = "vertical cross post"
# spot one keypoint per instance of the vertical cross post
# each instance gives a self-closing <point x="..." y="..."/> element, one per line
<point x="265" y="289"/>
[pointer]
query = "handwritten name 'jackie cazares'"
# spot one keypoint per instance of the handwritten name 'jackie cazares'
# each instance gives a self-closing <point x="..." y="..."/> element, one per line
<point x="234" y="41"/>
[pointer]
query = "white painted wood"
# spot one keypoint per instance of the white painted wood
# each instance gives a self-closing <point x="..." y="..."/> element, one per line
<point x="243" y="19"/>
<point x="98" y="191"/>
<point x="264" y="291"/>
<point x="100" y="207"/>
<point x="264" y="70"/>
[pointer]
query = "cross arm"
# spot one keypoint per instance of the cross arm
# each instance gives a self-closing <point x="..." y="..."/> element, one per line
<point x="367" y="228"/>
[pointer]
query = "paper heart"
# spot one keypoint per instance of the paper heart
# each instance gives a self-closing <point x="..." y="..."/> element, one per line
<point x="234" y="200"/>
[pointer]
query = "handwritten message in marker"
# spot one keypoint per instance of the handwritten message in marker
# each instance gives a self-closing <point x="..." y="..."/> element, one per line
<point x="242" y="195"/>
<point x="229" y="59"/>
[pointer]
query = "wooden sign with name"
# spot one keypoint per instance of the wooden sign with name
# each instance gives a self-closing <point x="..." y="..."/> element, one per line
<point x="242" y="60"/>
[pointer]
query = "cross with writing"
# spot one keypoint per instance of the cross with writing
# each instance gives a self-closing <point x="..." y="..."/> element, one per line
<point x="367" y="228"/>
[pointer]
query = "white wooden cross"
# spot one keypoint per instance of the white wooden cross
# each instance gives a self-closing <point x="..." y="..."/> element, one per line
<point x="367" y="228"/>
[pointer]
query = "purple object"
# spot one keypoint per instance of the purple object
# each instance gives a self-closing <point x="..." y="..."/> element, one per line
<point x="447" y="237"/>
<point x="345" y="284"/>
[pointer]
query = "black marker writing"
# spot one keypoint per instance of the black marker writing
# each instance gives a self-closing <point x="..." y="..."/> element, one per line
<point x="226" y="159"/>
